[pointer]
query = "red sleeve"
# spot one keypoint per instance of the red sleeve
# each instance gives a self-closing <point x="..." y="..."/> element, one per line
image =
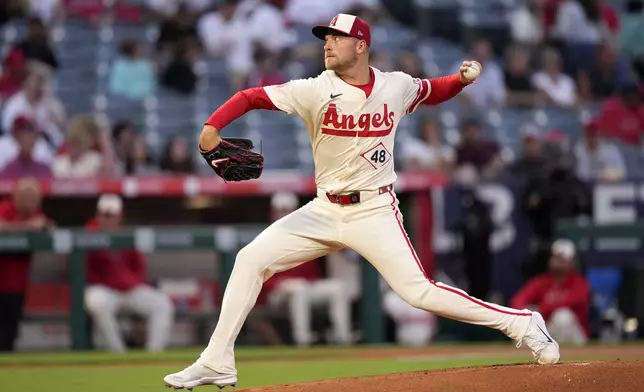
<point x="530" y="294"/>
<point x="238" y="105"/>
<point x="444" y="89"/>
<point x="577" y="297"/>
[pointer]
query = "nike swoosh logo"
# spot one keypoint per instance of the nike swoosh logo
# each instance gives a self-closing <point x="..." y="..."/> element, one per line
<point x="216" y="162"/>
<point x="545" y="334"/>
<point x="333" y="96"/>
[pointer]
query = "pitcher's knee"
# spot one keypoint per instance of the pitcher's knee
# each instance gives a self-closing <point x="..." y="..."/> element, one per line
<point x="249" y="258"/>
<point x="413" y="299"/>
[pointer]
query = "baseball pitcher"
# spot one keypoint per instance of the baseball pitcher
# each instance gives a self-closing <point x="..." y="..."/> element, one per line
<point x="351" y="112"/>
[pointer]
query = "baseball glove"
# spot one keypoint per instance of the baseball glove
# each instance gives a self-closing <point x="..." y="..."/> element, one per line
<point x="234" y="160"/>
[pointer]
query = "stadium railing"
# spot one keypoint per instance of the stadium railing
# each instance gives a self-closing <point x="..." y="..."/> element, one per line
<point x="226" y="240"/>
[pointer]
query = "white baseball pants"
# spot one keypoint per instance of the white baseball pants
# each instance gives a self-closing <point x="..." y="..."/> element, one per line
<point x="104" y="303"/>
<point x="372" y="228"/>
<point x="301" y="295"/>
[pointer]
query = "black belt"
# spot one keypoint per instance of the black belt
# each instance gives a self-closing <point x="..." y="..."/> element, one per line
<point x="354" y="197"/>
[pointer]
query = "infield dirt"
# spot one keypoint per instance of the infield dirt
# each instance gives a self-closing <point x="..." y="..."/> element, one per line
<point x="614" y="376"/>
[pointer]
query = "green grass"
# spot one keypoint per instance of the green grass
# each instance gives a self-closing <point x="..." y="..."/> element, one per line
<point x="140" y="371"/>
<point x="142" y="378"/>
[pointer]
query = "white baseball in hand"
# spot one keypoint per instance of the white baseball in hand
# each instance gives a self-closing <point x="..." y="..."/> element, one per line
<point x="473" y="71"/>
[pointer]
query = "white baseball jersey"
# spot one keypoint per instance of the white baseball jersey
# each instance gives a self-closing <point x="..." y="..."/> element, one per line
<point x="352" y="135"/>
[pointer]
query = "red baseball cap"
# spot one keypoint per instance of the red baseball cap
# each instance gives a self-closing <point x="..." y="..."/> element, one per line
<point x="23" y="122"/>
<point x="347" y="24"/>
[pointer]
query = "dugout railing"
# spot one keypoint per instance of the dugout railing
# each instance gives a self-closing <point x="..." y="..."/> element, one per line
<point x="225" y="240"/>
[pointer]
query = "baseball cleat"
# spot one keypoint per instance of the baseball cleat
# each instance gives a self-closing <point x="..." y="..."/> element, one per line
<point x="544" y="348"/>
<point x="197" y="375"/>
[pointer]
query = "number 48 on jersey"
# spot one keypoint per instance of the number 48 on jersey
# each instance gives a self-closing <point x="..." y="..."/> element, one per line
<point x="377" y="156"/>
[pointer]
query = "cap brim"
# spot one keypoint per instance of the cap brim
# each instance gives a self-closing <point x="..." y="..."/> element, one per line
<point x="321" y="31"/>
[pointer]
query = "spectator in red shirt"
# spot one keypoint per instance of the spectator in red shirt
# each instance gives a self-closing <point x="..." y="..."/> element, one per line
<point x="21" y="213"/>
<point x="622" y="117"/>
<point x="561" y="295"/>
<point x="474" y="150"/>
<point x="117" y="281"/>
<point x="303" y="287"/>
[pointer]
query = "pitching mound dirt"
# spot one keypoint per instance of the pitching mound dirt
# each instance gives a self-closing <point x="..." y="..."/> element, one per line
<point x="617" y="376"/>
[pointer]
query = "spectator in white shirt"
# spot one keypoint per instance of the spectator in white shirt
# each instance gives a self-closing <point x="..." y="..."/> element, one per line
<point x="557" y="87"/>
<point x="80" y="160"/>
<point x="37" y="102"/>
<point x="489" y="89"/>
<point x="310" y="12"/>
<point x="597" y="159"/>
<point x="580" y="21"/>
<point x="170" y="7"/>
<point x="47" y="10"/>
<point x="226" y="36"/>
<point x="266" y="23"/>
<point x="526" y="23"/>
<point x="426" y="152"/>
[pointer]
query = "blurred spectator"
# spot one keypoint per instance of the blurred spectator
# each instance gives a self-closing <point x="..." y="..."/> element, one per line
<point x="117" y="281"/>
<point x="47" y="10"/>
<point x="622" y="116"/>
<point x="139" y="161"/>
<point x="605" y="76"/>
<point x="309" y="12"/>
<point x="123" y="135"/>
<point x="36" y="101"/>
<point x="225" y="36"/>
<point x="427" y="152"/>
<point x="10" y="146"/>
<point x="556" y="86"/>
<point x="545" y="201"/>
<point x="176" y="29"/>
<point x="37" y="46"/>
<point x="179" y="74"/>
<point x="168" y="8"/>
<point x="383" y="61"/>
<point x="80" y="160"/>
<point x="489" y="89"/>
<point x="266" y="71"/>
<point x="11" y="9"/>
<point x="561" y="295"/>
<point x="531" y="164"/>
<point x="526" y="23"/>
<point x="132" y="75"/>
<point x="521" y="91"/>
<point x="581" y="21"/>
<point x="302" y="288"/>
<point x="483" y="155"/>
<point x="177" y="157"/>
<point x="23" y="163"/>
<point x="94" y="10"/>
<point x="598" y="160"/>
<point x="267" y="26"/>
<point x="410" y="63"/>
<point x="631" y="35"/>
<point x="14" y="73"/>
<point x="20" y="213"/>
<point x="475" y="228"/>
